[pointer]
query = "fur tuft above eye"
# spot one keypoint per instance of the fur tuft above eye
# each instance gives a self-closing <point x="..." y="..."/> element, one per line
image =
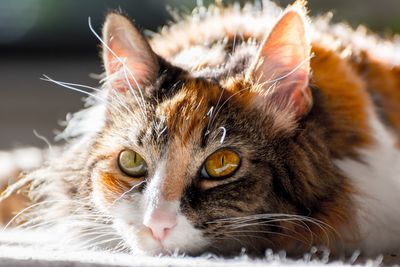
<point x="132" y="164"/>
<point x="221" y="164"/>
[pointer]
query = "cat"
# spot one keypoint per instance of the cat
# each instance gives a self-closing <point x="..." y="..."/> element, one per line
<point x="234" y="128"/>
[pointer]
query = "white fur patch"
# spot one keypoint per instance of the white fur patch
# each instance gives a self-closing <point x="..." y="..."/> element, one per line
<point x="378" y="182"/>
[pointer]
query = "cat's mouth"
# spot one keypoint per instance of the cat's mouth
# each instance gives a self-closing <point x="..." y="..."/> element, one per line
<point x="142" y="241"/>
<point x="165" y="246"/>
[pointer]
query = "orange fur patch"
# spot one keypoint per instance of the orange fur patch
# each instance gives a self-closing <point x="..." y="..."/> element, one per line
<point x="112" y="187"/>
<point x="10" y="206"/>
<point x="186" y="112"/>
<point x="383" y="82"/>
<point x="346" y="99"/>
<point x="174" y="182"/>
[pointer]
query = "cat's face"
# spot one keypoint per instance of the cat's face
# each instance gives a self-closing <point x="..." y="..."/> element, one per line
<point x="197" y="164"/>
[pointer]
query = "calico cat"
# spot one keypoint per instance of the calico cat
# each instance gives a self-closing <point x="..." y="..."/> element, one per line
<point x="233" y="128"/>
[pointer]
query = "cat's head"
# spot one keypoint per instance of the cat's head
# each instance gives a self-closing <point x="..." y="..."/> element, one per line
<point x="193" y="163"/>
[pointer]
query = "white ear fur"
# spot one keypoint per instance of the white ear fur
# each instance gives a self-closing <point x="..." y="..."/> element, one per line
<point x="127" y="56"/>
<point x="282" y="66"/>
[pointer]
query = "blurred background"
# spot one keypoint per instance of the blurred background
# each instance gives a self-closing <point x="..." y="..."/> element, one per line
<point x="52" y="37"/>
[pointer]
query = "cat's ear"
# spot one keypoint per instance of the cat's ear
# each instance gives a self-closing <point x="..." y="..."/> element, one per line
<point x="128" y="57"/>
<point x="282" y="66"/>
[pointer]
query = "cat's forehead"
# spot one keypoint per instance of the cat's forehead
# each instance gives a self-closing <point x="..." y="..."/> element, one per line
<point x="203" y="108"/>
<point x="188" y="111"/>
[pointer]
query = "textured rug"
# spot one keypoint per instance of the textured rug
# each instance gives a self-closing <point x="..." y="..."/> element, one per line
<point x="20" y="249"/>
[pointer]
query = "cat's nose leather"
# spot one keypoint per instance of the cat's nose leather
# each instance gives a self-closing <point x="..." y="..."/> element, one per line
<point x="160" y="223"/>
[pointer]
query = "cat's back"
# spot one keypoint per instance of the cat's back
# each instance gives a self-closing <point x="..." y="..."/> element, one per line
<point x="222" y="39"/>
<point x="231" y="26"/>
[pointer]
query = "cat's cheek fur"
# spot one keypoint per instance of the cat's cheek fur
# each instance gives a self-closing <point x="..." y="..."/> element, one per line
<point x="127" y="220"/>
<point x="184" y="235"/>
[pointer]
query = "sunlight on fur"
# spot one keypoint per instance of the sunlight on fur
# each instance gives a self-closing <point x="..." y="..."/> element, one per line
<point x="234" y="131"/>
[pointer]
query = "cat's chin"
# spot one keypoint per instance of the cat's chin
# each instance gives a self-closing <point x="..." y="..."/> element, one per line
<point x="142" y="243"/>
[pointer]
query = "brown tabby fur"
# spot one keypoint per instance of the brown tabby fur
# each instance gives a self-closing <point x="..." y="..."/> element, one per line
<point x="287" y="165"/>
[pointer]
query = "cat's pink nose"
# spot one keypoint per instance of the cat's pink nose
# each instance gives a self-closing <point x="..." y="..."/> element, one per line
<point x="160" y="223"/>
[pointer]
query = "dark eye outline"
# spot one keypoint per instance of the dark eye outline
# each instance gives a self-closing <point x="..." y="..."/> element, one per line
<point x="204" y="174"/>
<point x="124" y="170"/>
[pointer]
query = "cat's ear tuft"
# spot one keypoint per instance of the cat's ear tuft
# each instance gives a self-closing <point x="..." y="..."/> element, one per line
<point x="128" y="57"/>
<point x="282" y="66"/>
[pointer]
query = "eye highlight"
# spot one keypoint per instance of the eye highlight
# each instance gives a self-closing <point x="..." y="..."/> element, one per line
<point x="221" y="164"/>
<point x="132" y="164"/>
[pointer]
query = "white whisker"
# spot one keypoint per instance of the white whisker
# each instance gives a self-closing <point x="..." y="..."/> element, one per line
<point x="126" y="192"/>
<point x="48" y="79"/>
<point x="223" y="134"/>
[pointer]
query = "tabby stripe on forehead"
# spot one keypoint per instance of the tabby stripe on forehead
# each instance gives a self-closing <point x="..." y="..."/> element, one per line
<point x="171" y="81"/>
<point x="159" y="132"/>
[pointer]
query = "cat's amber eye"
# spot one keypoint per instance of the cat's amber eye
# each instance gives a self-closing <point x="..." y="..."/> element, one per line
<point x="132" y="163"/>
<point x="221" y="164"/>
